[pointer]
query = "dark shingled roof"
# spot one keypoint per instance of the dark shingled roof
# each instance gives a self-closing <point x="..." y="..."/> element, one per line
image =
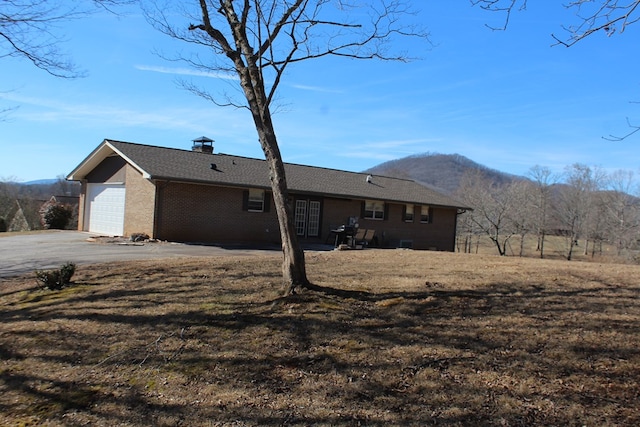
<point x="189" y="166"/>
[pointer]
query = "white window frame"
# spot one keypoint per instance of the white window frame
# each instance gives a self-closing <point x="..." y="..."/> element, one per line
<point x="301" y="217"/>
<point x="374" y="209"/>
<point x="313" y="227"/>
<point x="256" y="200"/>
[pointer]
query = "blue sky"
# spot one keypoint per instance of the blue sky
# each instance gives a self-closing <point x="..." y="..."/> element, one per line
<point x="507" y="100"/>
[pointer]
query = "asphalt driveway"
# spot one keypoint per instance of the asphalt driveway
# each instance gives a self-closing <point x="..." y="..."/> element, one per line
<point x="24" y="253"/>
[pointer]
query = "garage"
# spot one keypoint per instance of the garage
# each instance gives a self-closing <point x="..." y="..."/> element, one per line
<point x="105" y="203"/>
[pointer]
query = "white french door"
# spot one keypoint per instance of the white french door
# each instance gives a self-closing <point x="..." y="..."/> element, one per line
<point x="307" y="218"/>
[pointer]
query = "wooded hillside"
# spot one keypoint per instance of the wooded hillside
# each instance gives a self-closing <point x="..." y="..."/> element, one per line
<point x="443" y="171"/>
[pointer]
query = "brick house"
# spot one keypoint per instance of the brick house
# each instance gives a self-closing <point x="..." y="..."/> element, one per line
<point x="200" y="196"/>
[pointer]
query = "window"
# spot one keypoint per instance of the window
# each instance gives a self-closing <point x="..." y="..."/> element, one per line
<point x="426" y="214"/>
<point x="408" y="213"/>
<point x="256" y="201"/>
<point x="373" y="209"/>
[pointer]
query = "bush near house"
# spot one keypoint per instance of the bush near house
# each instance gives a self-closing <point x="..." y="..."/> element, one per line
<point x="57" y="216"/>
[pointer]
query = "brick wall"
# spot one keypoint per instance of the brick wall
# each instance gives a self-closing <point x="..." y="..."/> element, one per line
<point x="81" y="206"/>
<point x="203" y="213"/>
<point x="139" y="203"/>
<point x="390" y="232"/>
<point x="437" y="235"/>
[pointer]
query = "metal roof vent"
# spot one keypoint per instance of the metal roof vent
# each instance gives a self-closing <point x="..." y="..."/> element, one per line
<point x="369" y="178"/>
<point x="203" y="145"/>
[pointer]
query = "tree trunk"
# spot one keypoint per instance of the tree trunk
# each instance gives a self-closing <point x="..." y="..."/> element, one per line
<point x="501" y="250"/>
<point x="572" y="244"/>
<point x="293" y="264"/>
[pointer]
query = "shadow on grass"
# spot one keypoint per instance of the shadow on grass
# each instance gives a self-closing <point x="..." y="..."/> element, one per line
<point x="163" y="353"/>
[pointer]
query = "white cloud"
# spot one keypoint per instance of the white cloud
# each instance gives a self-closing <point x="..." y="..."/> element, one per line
<point x="186" y="72"/>
<point x="315" y="89"/>
<point x="48" y="110"/>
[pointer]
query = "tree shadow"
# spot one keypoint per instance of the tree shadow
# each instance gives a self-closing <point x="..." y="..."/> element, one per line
<point x="174" y="353"/>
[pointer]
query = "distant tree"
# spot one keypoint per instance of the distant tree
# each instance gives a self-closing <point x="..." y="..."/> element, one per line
<point x="62" y="187"/>
<point x="3" y="225"/>
<point x="623" y="211"/>
<point x="493" y="207"/>
<point x="467" y="232"/>
<point x="522" y="216"/>
<point x="595" y="219"/>
<point x="572" y="207"/>
<point x="257" y="41"/>
<point x="9" y="187"/>
<point x="542" y="181"/>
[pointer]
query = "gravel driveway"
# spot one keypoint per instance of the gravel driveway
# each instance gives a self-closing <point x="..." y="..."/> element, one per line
<point x="24" y="253"/>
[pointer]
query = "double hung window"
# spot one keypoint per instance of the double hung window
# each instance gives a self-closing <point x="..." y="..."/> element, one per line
<point x="373" y="209"/>
<point x="408" y="213"/>
<point x="256" y="200"/>
<point x="426" y="215"/>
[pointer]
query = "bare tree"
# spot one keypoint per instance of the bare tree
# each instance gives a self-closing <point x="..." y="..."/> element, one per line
<point x="542" y="180"/>
<point x="30" y="29"/>
<point x="623" y="211"/>
<point x="595" y="216"/>
<point x="573" y="205"/>
<point x="257" y="40"/>
<point x="466" y="232"/>
<point x="493" y="207"/>
<point x="522" y="214"/>
<point x="609" y="16"/>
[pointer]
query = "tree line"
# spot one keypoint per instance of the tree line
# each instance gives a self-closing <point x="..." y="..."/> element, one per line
<point x="585" y="205"/>
<point x="38" y="206"/>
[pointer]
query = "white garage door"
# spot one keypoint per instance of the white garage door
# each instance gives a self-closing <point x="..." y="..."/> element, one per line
<point x="105" y="203"/>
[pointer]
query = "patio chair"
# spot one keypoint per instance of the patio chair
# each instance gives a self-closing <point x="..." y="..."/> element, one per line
<point x="367" y="239"/>
<point x="359" y="236"/>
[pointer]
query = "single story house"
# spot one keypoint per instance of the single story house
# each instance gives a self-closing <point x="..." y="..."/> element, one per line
<point x="200" y="196"/>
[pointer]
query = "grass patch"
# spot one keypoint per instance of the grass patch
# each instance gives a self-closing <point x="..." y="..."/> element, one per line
<point x="413" y="338"/>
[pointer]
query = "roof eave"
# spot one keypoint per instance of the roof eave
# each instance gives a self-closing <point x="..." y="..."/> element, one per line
<point x="101" y="152"/>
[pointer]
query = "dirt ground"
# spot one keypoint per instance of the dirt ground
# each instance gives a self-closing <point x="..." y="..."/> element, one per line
<point x="399" y="337"/>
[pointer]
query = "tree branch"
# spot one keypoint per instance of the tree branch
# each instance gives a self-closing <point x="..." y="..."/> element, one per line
<point x="28" y="30"/>
<point x="614" y="138"/>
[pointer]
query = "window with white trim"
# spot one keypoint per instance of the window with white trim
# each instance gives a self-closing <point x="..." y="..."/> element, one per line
<point x="256" y="200"/>
<point x="373" y="209"/>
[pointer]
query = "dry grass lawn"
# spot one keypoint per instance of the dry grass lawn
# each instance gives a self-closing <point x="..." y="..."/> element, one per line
<point x="404" y="338"/>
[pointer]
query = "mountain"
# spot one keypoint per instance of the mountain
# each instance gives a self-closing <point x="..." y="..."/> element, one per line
<point x="443" y="171"/>
<point x="41" y="182"/>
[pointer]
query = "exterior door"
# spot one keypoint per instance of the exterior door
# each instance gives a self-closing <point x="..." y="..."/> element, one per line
<point x="307" y="218"/>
